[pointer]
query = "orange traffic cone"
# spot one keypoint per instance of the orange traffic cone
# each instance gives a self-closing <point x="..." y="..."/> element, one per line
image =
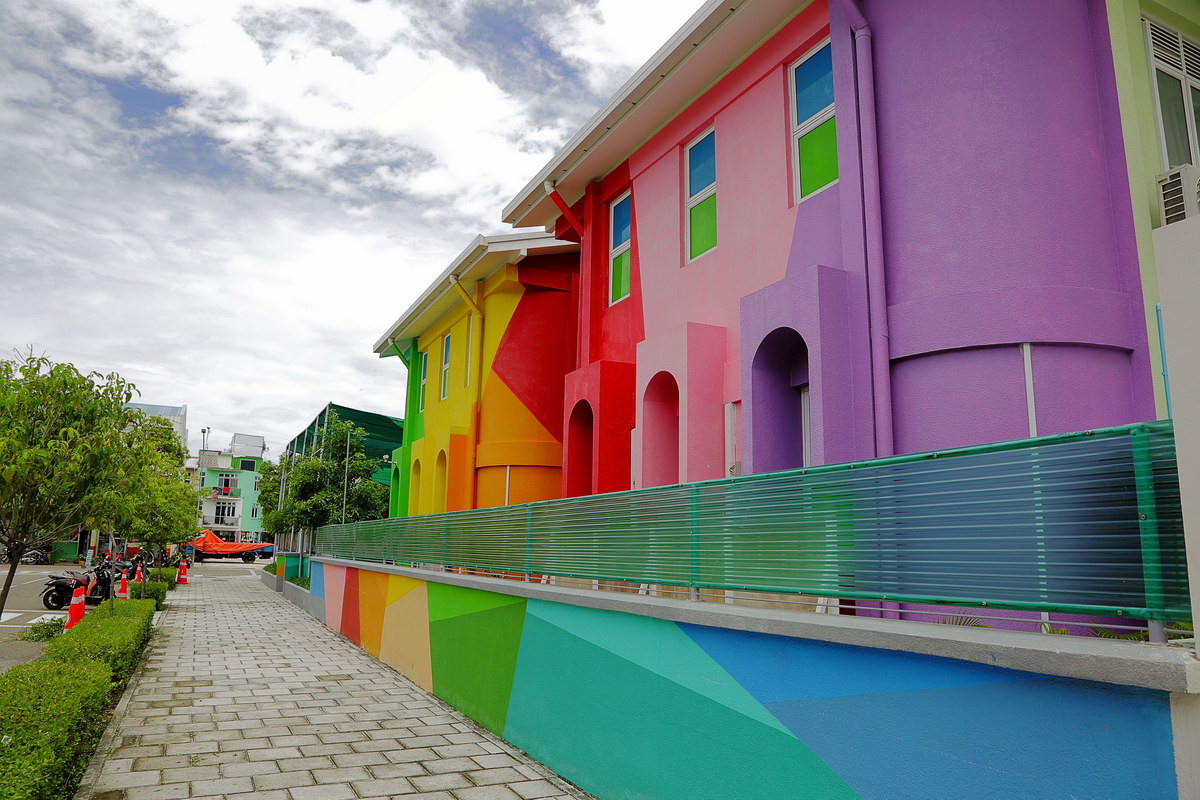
<point x="137" y="576"/>
<point x="181" y="577"/>
<point x="75" y="612"/>
<point x="123" y="591"/>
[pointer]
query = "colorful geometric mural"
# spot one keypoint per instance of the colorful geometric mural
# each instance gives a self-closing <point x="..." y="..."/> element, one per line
<point x="631" y="706"/>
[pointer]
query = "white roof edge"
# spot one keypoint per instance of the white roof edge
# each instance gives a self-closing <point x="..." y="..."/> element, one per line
<point x="518" y="242"/>
<point x="716" y="27"/>
<point x="643" y="79"/>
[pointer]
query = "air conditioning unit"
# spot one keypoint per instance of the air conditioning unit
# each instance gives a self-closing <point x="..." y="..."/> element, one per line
<point x="1179" y="193"/>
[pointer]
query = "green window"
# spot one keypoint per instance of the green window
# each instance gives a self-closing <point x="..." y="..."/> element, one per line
<point x="814" y="131"/>
<point x="445" y="366"/>
<point x="701" y="205"/>
<point x="620" y="221"/>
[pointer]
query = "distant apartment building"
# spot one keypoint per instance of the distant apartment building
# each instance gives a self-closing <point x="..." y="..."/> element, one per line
<point x="176" y="415"/>
<point x="230" y="479"/>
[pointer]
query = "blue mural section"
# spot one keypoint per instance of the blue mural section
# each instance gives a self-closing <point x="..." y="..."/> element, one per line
<point x="903" y="726"/>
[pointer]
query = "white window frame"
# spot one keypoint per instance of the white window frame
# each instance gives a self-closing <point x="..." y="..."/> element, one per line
<point x="801" y="127"/>
<point x="423" y="378"/>
<point x="1187" y="81"/>
<point x="444" y="376"/>
<point x="700" y="196"/>
<point x="254" y="510"/>
<point x="623" y="247"/>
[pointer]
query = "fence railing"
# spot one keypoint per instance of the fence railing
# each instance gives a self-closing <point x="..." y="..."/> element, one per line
<point x="1086" y="523"/>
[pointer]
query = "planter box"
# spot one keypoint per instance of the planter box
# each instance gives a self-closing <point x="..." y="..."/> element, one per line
<point x="272" y="582"/>
<point x="305" y="599"/>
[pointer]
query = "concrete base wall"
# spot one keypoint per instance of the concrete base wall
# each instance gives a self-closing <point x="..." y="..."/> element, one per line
<point x="303" y="598"/>
<point x="629" y="701"/>
<point x="272" y="582"/>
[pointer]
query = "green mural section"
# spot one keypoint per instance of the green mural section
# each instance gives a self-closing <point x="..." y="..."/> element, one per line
<point x="670" y="714"/>
<point x="474" y="637"/>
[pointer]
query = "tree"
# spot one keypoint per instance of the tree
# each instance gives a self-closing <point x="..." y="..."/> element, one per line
<point x="71" y="453"/>
<point x="329" y="485"/>
<point x="163" y="509"/>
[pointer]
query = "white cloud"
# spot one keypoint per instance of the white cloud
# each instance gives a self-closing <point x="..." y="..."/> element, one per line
<point x="241" y="252"/>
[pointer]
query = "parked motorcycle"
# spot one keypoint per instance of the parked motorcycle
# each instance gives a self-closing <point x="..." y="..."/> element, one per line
<point x="35" y="557"/>
<point x="97" y="583"/>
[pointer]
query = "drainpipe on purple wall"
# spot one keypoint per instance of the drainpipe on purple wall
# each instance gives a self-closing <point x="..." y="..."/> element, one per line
<point x="881" y="378"/>
<point x="881" y="366"/>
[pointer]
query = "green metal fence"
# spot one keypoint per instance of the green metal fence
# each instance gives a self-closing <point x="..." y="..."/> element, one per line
<point x="1086" y="523"/>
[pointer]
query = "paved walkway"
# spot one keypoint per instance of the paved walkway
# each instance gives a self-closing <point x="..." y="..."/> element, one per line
<point x="243" y="695"/>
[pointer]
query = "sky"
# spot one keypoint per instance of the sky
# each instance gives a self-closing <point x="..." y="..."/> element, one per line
<point x="228" y="203"/>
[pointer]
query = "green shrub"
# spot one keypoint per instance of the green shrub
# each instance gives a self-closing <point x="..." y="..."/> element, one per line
<point x="43" y="631"/>
<point x="114" y="638"/>
<point x="164" y="575"/>
<point x="155" y="590"/>
<point x="51" y="715"/>
<point x="300" y="581"/>
<point x="270" y="568"/>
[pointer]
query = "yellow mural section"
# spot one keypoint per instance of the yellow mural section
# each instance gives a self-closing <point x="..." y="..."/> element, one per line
<point x="481" y="445"/>
<point x="406" y="617"/>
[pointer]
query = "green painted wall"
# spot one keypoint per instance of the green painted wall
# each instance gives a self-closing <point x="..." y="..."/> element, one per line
<point x="414" y="429"/>
<point x="1139" y="126"/>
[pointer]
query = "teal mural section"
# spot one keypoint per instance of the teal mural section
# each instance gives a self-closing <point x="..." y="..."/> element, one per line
<point x="651" y="707"/>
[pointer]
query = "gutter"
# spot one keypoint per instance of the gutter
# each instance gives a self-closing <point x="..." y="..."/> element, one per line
<point x="877" y="314"/>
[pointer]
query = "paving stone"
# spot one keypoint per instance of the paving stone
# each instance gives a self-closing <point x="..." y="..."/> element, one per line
<point x="174" y="791"/>
<point x="341" y="775"/>
<point x="535" y="790"/>
<point x="449" y="765"/>
<point x="449" y="780"/>
<point x="486" y="793"/>
<point x="283" y="780"/>
<point x="334" y="791"/>
<point x="384" y="788"/>
<point x="486" y="777"/>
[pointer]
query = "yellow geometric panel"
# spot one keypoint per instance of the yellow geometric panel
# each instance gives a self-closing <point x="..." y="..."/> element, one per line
<point x="398" y="586"/>
<point x="405" y="642"/>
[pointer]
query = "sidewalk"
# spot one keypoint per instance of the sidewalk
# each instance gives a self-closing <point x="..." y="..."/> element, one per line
<point x="243" y="695"/>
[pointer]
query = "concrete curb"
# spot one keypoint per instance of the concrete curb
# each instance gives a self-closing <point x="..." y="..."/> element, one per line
<point x="301" y="597"/>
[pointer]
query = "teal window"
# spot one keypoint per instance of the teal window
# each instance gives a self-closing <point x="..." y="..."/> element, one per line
<point x="445" y="366"/>
<point x="700" y="208"/>
<point x="620" y="221"/>
<point x="424" y="373"/>
<point x="814" y="129"/>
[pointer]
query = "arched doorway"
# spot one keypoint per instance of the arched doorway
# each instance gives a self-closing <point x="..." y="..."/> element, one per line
<point x="780" y="392"/>
<point x="660" y="437"/>
<point x="580" y="430"/>
<point x="439" y="483"/>
<point x="414" y="489"/>
<point x="394" y="492"/>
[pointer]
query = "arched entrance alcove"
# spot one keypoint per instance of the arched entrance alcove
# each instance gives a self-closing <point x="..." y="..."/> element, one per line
<point x="660" y="436"/>
<point x="414" y="489"/>
<point x="580" y="430"/>
<point x="439" y="483"/>
<point x="780" y="394"/>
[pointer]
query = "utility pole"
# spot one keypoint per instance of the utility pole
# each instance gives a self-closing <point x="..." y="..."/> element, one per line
<point x="346" y="476"/>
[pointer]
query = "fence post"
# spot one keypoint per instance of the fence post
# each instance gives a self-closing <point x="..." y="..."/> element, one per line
<point x="1143" y="478"/>
<point x="694" y="518"/>
<point x="528" y="541"/>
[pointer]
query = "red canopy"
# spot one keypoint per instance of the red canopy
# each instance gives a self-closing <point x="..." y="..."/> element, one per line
<point x="209" y="542"/>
